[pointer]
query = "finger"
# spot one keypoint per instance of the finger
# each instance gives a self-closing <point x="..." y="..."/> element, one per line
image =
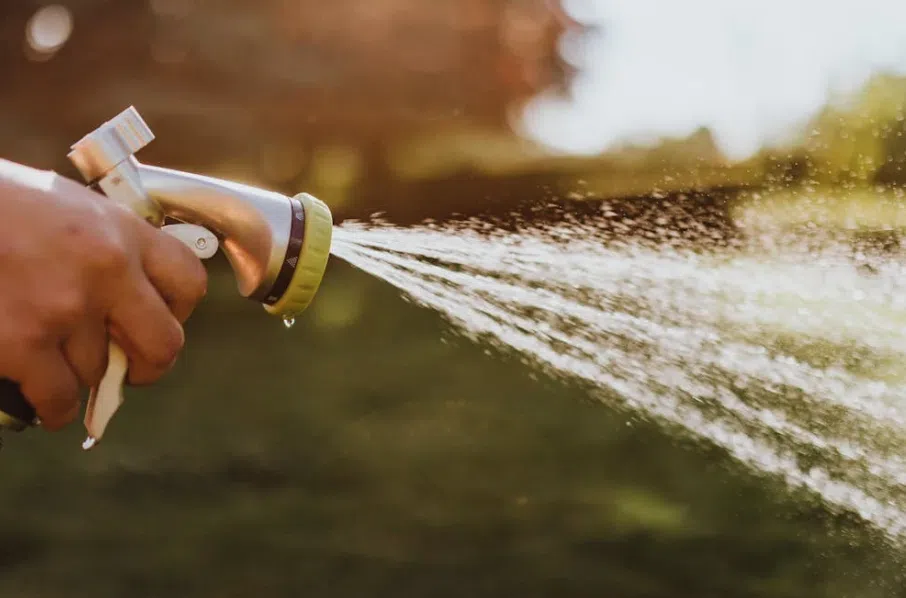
<point x="52" y="388"/>
<point x="86" y="351"/>
<point x="147" y="331"/>
<point x="176" y="273"/>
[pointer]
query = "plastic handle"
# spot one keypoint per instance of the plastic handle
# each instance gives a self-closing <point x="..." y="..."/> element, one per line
<point x="107" y="396"/>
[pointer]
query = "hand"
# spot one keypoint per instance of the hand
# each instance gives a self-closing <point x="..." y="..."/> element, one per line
<point x="76" y="270"/>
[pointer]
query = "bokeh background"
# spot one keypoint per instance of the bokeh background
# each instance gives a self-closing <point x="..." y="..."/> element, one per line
<point x="369" y="451"/>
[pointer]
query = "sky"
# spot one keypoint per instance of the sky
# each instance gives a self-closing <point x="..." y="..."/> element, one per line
<point x="751" y="70"/>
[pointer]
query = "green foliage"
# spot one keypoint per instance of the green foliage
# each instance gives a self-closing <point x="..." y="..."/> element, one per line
<point x="861" y="140"/>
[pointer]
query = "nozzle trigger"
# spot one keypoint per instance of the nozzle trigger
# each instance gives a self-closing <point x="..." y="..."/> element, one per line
<point x="106" y="398"/>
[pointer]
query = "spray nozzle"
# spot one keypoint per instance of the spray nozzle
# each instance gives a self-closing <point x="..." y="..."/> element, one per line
<point x="278" y="246"/>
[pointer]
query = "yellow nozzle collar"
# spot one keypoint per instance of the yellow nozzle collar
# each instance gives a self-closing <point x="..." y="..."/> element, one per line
<point x="313" y="258"/>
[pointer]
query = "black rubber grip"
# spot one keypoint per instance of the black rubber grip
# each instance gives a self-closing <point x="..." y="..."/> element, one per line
<point x="13" y="402"/>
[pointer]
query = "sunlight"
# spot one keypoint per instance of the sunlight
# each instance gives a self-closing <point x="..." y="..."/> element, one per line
<point x="750" y="70"/>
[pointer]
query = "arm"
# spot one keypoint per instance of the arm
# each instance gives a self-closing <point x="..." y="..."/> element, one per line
<point x="77" y="270"/>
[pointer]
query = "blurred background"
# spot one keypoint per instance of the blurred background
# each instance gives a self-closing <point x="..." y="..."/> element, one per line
<point x="368" y="451"/>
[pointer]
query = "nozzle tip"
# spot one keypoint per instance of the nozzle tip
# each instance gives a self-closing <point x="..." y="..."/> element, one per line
<point x="312" y="260"/>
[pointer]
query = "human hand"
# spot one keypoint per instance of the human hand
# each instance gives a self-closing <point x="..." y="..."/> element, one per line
<point x="78" y="270"/>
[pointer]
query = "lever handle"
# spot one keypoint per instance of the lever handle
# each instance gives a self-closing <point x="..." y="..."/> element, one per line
<point x="106" y="397"/>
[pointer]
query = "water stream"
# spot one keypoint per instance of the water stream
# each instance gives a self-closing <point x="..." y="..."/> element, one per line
<point x="788" y="354"/>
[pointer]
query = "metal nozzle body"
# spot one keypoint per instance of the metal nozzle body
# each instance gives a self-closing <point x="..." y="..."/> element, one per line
<point x="253" y="224"/>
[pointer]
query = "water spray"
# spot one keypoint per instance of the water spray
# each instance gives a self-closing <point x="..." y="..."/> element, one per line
<point x="784" y="353"/>
<point x="277" y="246"/>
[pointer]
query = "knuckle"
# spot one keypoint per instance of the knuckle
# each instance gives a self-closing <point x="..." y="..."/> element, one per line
<point x="65" y="308"/>
<point x="100" y="248"/>
<point x="110" y="255"/>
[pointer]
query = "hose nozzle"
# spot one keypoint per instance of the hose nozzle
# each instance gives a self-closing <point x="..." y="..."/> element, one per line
<point x="277" y="246"/>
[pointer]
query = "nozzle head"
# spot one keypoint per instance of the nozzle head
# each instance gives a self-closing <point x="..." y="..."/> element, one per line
<point x="304" y="270"/>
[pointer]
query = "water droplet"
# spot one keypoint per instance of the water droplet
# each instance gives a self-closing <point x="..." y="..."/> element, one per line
<point x="289" y="322"/>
